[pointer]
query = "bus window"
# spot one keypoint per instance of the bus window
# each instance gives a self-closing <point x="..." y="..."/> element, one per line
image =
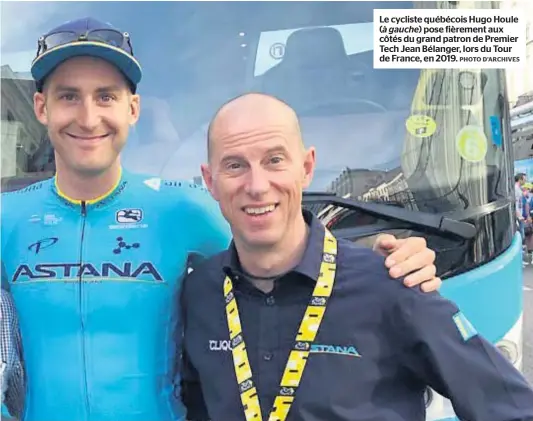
<point x="25" y="148"/>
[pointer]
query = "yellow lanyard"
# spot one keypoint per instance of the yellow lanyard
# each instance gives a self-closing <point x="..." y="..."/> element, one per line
<point x="306" y="335"/>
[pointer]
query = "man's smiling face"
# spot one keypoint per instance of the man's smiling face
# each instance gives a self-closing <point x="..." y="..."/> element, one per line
<point x="88" y="108"/>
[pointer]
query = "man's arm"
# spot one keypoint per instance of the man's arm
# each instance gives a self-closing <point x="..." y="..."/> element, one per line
<point x="192" y="395"/>
<point x="409" y="258"/>
<point x="191" y="392"/>
<point x="3" y="274"/>
<point x="444" y="350"/>
<point x="13" y="381"/>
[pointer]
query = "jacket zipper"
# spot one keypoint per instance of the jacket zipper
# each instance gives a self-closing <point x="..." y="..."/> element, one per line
<point x="82" y="310"/>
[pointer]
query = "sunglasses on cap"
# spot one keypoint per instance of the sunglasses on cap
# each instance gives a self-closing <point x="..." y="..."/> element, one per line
<point x="104" y="36"/>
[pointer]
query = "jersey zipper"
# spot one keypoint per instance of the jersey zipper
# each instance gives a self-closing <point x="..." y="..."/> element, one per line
<point x="82" y="310"/>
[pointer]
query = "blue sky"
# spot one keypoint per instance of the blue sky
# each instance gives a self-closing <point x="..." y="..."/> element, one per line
<point x="196" y="56"/>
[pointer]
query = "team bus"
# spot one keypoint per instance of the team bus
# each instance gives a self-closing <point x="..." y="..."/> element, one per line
<point x="410" y="152"/>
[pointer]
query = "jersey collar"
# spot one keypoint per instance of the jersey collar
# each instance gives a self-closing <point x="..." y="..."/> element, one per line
<point x="98" y="202"/>
<point x="311" y="261"/>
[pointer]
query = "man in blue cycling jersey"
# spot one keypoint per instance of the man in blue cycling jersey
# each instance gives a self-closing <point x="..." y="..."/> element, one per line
<point x="94" y="257"/>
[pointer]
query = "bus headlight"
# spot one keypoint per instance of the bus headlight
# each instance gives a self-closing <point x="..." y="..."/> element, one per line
<point x="511" y="344"/>
<point x="509" y="350"/>
<point x="428" y="396"/>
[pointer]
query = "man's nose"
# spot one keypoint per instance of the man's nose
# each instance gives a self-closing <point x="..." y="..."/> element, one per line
<point x="258" y="181"/>
<point x="88" y="116"/>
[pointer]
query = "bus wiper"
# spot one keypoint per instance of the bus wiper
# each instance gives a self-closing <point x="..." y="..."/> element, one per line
<point x="418" y="219"/>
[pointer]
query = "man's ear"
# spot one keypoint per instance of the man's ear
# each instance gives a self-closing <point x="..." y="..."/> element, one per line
<point x="208" y="179"/>
<point x="39" y="107"/>
<point x="135" y="109"/>
<point x="309" y="166"/>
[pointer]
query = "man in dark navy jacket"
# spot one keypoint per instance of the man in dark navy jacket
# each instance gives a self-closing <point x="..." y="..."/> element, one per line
<point x="303" y="327"/>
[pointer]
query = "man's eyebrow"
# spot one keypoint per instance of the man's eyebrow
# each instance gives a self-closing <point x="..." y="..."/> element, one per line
<point x="274" y="149"/>
<point x="65" y="88"/>
<point x="110" y="88"/>
<point x="228" y="158"/>
<point x="269" y="151"/>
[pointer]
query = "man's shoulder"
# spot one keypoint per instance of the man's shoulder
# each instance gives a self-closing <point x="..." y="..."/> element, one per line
<point x="163" y="185"/>
<point x="356" y="259"/>
<point x="365" y="269"/>
<point x="30" y="192"/>
<point x="364" y="277"/>
<point x="204" y="272"/>
<point x="174" y="192"/>
<point x="29" y="197"/>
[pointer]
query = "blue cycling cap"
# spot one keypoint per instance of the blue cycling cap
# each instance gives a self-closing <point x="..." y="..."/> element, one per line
<point x="85" y="37"/>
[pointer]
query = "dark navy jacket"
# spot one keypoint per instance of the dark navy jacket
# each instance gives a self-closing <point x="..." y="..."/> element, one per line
<point x="380" y="344"/>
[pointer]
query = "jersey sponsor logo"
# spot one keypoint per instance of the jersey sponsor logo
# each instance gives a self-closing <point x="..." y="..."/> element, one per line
<point x="43" y="244"/>
<point x="219" y="345"/>
<point x="196" y="183"/>
<point x="169" y="183"/>
<point x="127" y="226"/>
<point x="121" y="244"/>
<point x="153" y="183"/>
<point x="34" y="218"/>
<point x="107" y="271"/>
<point x="47" y="219"/>
<point x="31" y="187"/>
<point x="129" y="216"/>
<point x="349" y="351"/>
<point x="113" y="195"/>
<point x="51" y="219"/>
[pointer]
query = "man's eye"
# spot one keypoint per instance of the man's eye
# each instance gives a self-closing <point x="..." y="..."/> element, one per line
<point x="67" y="97"/>
<point x="107" y="98"/>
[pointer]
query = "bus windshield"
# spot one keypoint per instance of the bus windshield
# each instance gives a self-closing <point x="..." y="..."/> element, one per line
<point x="428" y="140"/>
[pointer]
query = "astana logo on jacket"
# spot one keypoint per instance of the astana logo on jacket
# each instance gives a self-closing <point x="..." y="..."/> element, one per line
<point x="106" y="271"/>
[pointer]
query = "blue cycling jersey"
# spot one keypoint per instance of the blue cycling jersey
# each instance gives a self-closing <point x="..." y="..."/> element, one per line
<point x="96" y="286"/>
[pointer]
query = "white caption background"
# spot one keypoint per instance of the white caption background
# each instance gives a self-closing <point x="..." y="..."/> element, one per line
<point x="449" y="39"/>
